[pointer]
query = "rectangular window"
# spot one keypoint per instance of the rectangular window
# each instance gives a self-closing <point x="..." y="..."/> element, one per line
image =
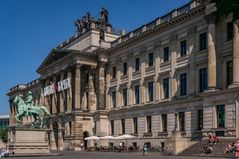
<point x="125" y="99"/>
<point x="203" y="41"/>
<point x="149" y="124"/>
<point x="183" y="84"/>
<point x="95" y="128"/>
<point x="136" y="94"/>
<point x="114" y="72"/>
<point x="164" y="122"/>
<point x="123" y="125"/>
<point x="220" y="116"/>
<point x="125" y="68"/>
<point x="137" y="64"/>
<point x="112" y="127"/>
<point x="166" y="54"/>
<point x="181" y="121"/>
<point x="151" y="91"/>
<point x="202" y="79"/>
<point x="183" y="47"/>
<point x="166" y="87"/>
<point x="135" y="122"/>
<point x="200" y="119"/>
<point x="151" y="59"/>
<point x="229" y="72"/>
<point x="229" y="31"/>
<point x="113" y="99"/>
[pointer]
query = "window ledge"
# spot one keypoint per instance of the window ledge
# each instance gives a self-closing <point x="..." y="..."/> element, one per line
<point x="164" y="133"/>
<point x="147" y="134"/>
<point x="201" y="51"/>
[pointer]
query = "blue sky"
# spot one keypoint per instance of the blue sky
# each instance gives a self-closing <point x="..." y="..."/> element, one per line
<point x="29" y="29"/>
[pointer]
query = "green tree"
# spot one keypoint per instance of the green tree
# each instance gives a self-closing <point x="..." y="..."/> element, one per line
<point x="4" y="134"/>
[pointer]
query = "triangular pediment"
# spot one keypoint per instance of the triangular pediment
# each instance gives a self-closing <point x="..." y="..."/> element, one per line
<point x="53" y="56"/>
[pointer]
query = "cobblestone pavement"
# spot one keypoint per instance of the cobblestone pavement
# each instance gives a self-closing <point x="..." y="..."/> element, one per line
<point x="112" y="155"/>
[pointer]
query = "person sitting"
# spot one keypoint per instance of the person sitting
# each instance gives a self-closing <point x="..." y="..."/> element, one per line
<point x="207" y="150"/>
<point x="215" y="139"/>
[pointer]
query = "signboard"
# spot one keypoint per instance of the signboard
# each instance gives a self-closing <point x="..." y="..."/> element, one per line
<point x="49" y="90"/>
<point x="61" y="85"/>
<point x="64" y="84"/>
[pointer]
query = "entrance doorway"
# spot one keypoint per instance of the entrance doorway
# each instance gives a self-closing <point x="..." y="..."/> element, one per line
<point x="85" y="135"/>
<point x="55" y="130"/>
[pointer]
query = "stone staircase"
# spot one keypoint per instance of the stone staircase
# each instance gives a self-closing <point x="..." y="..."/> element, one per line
<point x="219" y="148"/>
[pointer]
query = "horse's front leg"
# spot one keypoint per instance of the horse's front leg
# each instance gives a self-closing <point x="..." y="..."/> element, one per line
<point x="41" y="121"/>
<point x="18" y="116"/>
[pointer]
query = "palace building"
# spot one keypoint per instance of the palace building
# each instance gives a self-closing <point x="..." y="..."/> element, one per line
<point x="170" y="81"/>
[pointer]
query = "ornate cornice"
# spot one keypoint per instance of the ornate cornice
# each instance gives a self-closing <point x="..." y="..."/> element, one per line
<point x="158" y="28"/>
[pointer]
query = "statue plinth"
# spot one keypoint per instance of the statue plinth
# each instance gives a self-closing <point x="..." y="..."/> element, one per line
<point x="28" y="140"/>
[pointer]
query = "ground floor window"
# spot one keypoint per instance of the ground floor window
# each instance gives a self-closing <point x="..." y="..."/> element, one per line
<point x="135" y="122"/>
<point x="149" y="124"/>
<point x="200" y="119"/>
<point x="220" y="116"/>
<point x="164" y="122"/>
<point x="181" y="121"/>
<point x="112" y="126"/>
<point x="123" y="125"/>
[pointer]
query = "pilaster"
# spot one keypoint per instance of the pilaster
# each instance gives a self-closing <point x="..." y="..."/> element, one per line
<point x="52" y="138"/>
<point x="235" y="82"/>
<point x="211" y="38"/>
<point x="173" y="50"/>
<point x="60" y="137"/>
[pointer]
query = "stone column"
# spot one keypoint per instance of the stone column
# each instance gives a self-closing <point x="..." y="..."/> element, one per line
<point x="52" y="138"/>
<point x="142" y="81"/>
<point x="237" y="119"/>
<point x="60" y="137"/>
<point x="235" y="54"/>
<point x="62" y="94"/>
<point x="173" y="80"/>
<point x="101" y="95"/>
<point x="54" y="111"/>
<point x="191" y="73"/>
<point x="11" y="116"/>
<point x="91" y="96"/>
<point x="77" y="87"/>
<point x="176" y="122"/>
<point x="157" y="70"/>
<point x="69" y="93"/>
<point x="212" y="75"/>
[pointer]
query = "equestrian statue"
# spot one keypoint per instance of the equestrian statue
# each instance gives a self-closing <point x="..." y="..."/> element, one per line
<point x="25" y="109"/>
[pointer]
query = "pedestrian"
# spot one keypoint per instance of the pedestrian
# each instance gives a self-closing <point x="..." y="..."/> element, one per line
<point x="237" y="149"/>
<point x="145" y="150"/>
<point x="81" y="146"/>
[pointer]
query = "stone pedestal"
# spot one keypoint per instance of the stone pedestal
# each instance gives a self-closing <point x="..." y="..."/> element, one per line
<point x="178" y="142"/>
<point x="28" y="140"/>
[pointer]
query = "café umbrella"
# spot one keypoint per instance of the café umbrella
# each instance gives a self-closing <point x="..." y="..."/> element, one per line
<point x="92" y="138"/>
<point x="107" y="138"/>
<point x="125" y="137"/>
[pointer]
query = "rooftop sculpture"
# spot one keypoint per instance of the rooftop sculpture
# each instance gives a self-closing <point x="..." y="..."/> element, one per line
<point x="84" y="24"/>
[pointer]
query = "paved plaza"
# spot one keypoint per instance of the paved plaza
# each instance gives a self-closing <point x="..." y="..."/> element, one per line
<point x="112" y="155"/>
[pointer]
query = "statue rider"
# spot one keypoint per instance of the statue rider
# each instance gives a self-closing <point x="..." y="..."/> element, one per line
<point x="29" y="102"/>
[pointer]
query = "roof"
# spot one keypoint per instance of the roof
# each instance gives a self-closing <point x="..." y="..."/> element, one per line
<point x="4" y="116"/>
